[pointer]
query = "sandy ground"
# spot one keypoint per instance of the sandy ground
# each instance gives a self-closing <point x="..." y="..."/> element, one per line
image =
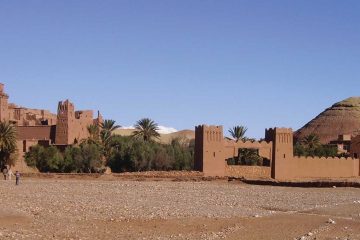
<point x="122" y="209"/>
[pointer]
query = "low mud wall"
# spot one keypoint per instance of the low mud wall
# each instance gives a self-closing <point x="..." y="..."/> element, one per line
<point x="170" y="175"/>
<point x="321" y="183"/>
<point x="250" y="172"/>
<point x="316" y="168"/>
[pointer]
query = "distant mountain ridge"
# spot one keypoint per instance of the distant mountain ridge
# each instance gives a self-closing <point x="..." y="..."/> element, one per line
<point x="164" y="138"/>
<point x="341" y="118"/>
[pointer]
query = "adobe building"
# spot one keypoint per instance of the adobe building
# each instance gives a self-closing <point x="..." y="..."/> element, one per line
<point x="42" y="127"/>
<point x="212" y="150"/>
<point x="355" y="147"/>
<point x="342" y="143"/>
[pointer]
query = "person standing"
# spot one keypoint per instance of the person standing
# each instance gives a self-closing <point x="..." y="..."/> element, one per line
<point x="10" y="174"/>
<point x="5" y="172"/>
<point x="17" y="176"/>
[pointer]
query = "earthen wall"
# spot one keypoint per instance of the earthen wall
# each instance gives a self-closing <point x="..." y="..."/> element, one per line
<point x="82" y="120"/>
<point x="22" y="147"/>
<point x="4" y="111"/>
<point x="231" y="148"/>
<point x="249" y="172"/>
<point x="211" y="152"/>
<point x="355" y="147"/>
<point x="35" y="132"/>
<point x="72" y="126"/>
<point x="317" y="168"/>
<point x="209" y="156"/>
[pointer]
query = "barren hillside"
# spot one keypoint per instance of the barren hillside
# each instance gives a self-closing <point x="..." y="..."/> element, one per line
<point x="164" y="138"/>
<point x="341" y="118"/>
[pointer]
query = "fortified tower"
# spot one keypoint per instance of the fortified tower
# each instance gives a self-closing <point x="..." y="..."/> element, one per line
<point x="283" y="149"/>
<point x="4" y="104"/>
<point x="209" y="156"/>
<point x="65" y="120"/>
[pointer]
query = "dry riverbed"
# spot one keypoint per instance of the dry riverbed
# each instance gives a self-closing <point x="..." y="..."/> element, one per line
<point x="123" y="209"/>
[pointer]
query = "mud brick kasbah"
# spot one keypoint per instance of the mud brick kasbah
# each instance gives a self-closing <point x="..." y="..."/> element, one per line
<point x="67" y="127"/>
<point x="37" y="126"/>
<point x="212" y="150"/>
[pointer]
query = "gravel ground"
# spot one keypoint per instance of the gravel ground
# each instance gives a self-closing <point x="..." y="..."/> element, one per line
<point x="77" y="209"/>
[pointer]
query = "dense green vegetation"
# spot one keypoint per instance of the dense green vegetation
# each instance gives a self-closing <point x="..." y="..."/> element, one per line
<point x="130" y="154"/>
<point x="7" y="144"/>
<point x="311" y="146"/>
<point x="247" y="156"/>
<point x="320" y="151"/>
<point x="102" y="148"/>
<point x="85" y="158"/>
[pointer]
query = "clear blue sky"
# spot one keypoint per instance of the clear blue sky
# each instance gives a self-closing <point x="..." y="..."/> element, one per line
<point x="185" y="62"/>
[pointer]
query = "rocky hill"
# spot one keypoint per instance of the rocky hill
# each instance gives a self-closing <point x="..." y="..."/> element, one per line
<point x="341" y="118"/>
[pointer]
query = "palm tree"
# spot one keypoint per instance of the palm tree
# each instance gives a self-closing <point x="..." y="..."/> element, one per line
<point x="238" y="132"/>
<point x="107" y="129"/>
<point x="146" y="129"/>
<point x="311" y="142"/>
<point x="109" y="125"/>
<point x="94" y="134"/>
<point x="106" y="133"/>
<point x="7" y="143"/>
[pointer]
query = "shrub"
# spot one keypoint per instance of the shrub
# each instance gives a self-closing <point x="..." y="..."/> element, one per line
<point x="86" y="158"/>
<point x="126" y="154"/>
<point x="247" y="156"/>
<point x="319" y="151"/>
<point x="135" y="155"/>
<point x="45" y="159"/>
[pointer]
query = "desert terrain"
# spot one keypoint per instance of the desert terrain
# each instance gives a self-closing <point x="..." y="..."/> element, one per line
<point x="107" y="208"/>
<point x="164" y="138"/>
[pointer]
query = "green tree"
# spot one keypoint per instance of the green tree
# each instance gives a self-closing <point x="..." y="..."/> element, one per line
<point x="33" y="156"/>
<point x="146" y="129"/>
<point x="109" y="126"/>
<point x="7" y="144"/>
<point x="121" y="160"/>
<point x="91" y="158"/>
<point x="327" y="151"/>
<point x="182" y="153"/>
<point x="94" y="134"/>
<point x="316" y="150"/>
<point x="107" y="129"/>
<point x="53" y="159"/>
<point x="83" y="158"/>
<point x="238" y="132"/>
<point x="250" y="156"/>
<point x="72" y="159"/>
<point x="299" y="150"/>
<point x="45" y="159"/>
<point x="311" y="143"/>
<point x="130" y="154"/>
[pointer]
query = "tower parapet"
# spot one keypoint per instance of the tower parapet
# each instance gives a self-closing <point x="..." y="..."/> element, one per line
<point x="209" y="143"/>
<point x="65" y="120"/>
<point x="283" y="149"/>
<point x="4" y="104"/>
